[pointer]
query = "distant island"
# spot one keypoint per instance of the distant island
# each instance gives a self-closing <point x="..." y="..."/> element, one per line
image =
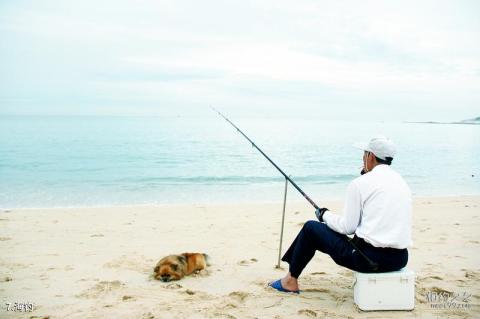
<point x="474" y="121"/>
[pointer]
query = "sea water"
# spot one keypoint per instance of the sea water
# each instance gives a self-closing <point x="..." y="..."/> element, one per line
<point x="65" y="161"/>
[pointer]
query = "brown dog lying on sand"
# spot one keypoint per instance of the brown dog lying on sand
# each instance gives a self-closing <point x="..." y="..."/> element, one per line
<point x="175" y="267"/>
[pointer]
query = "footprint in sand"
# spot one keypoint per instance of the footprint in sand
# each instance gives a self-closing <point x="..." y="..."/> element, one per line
<point x="148" y="315"/>
<point x="229" y="306"/>
<point x="101" y="288"/>
<point x="224" y="315"/>
<point x="420" y="294"/>
<point x="322" y="290"/>
<point x="430" y="277"/>
<point x="239" y="296"/>
<point x="308" y="313"/>
<point x="126" y="298"/>
<point x="173" y="286"/>
<point x="88" y="279"/>
<point x="247" y="262"/>
<point x="197" y="295"/>
<point x="472" y="274"/>
<point x="6" y="279"/>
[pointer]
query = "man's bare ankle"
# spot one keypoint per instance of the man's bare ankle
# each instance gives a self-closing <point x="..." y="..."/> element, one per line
<point x="290" y="283"/>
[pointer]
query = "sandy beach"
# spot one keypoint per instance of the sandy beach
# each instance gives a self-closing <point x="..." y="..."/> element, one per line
<point x="98" y="262"/>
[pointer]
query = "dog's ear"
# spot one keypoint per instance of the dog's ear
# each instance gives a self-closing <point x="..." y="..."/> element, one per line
<point x="156" y="269"/>
<point x="182" y="259"/>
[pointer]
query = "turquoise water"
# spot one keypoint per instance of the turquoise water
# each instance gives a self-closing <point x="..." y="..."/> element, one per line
<point x="94" y="161"/>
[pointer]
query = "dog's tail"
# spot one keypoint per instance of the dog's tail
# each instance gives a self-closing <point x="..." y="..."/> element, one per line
<point x="208" y="260"/>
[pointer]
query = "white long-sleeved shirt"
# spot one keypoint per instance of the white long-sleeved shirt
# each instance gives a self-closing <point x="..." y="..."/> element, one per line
<point x="378" y="208"/>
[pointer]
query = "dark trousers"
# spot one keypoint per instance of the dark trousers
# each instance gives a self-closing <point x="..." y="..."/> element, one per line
<point x="318" y="236"/>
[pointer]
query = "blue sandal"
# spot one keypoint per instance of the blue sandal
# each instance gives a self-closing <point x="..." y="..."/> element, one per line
<point x="278" y="286"/>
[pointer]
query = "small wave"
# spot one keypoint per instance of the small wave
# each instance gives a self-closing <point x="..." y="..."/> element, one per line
<point x="236" y="180"/>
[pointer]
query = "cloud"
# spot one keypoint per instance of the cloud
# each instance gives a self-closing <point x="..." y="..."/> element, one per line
<point x="160" y="54"/>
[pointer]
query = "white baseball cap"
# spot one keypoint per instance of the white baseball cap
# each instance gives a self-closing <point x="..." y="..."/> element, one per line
<point x="381" y="146"/>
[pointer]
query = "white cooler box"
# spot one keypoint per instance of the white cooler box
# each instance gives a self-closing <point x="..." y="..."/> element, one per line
<point x="385" y="291"/>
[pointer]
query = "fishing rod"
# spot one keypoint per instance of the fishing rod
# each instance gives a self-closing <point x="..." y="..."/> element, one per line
<point x="373" y="264"/>
<point x="268" y="158"/>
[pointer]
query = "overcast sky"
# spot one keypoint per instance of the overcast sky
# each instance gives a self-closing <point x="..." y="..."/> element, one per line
<point x="385" y="60"/>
